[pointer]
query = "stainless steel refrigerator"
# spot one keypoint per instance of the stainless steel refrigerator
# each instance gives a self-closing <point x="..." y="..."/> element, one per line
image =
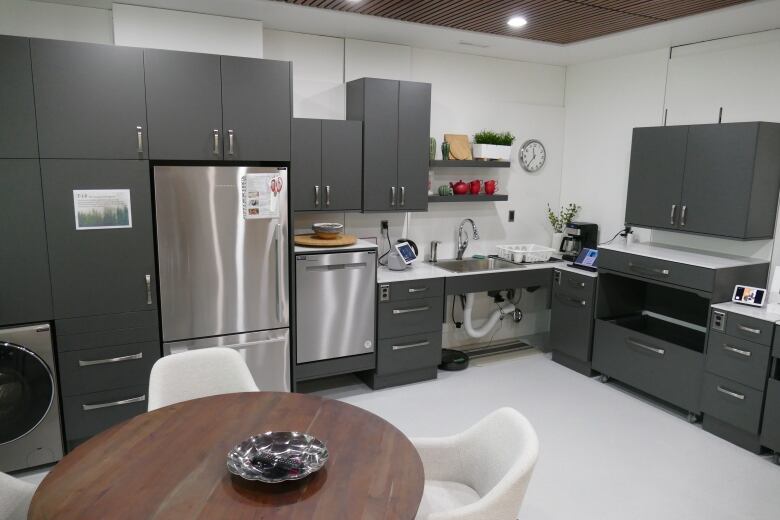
<point x="223" y="264"/>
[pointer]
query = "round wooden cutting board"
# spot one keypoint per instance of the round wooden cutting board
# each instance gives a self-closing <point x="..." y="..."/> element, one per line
<point x="314" y="241"/>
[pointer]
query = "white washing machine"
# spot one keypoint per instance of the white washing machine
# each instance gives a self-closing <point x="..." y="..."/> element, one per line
<point x="30" y="433"/>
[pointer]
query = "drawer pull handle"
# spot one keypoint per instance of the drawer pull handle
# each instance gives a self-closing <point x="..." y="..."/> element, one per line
<point x="576" y="284"/>
<point x="736" y="350"/>
<point x="729" y="393"/>
<point x="413" y="309"/>
<point x="88" y="407"/>
<point x="417" y="289"/>
<point x="654" y="350"/>
<point x="411" y="345"/>
<point x="649" y="270"/>
<point x="140" y="135"/>
<point x="148" y="289"/>
<point x="575" y="302"/>
<point x="749" y="329"/>
<point x="119" y="359"/>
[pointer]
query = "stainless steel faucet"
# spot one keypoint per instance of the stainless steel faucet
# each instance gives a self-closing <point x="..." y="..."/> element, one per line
<point x="463" y="241"/>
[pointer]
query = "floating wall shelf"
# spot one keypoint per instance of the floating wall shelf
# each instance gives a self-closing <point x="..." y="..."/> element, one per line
<point x="482" y="197"/>
<point x="452" y="163"/>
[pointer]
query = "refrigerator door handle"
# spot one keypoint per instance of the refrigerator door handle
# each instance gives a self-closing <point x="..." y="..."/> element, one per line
<point x="279" y="281"/>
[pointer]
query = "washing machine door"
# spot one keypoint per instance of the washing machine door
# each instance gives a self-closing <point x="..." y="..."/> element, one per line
<point x="26" y="391"/>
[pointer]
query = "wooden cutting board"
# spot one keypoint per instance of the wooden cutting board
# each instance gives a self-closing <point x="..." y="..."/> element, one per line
<point x="314" y="241"/>
<point x="460" y="148"/>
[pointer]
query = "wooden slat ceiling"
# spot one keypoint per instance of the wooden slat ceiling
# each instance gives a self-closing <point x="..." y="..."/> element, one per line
<point x="554" y="21"/>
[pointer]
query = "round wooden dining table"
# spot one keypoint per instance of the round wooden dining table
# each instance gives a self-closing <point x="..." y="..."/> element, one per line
<point x="171" y="463"/>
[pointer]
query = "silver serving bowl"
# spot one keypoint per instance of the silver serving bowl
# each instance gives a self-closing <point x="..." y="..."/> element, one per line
<point x="327" y="229"/>
<point x="277" y="456"/>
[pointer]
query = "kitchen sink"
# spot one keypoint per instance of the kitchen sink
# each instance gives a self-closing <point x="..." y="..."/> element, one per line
<point x="471" y="265"/>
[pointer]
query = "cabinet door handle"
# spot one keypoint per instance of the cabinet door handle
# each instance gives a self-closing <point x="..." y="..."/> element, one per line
<point x="411" y="345"/>
<point x="413" y="309"/>
<point x="279" y="281"/>
<point x="749" y="329"/>
<point x="316" y="196"/>
<point x="97" y="406"/>
<point x="417" y="289"/>
<point x="572" y="301"/>
<point x="730" y="393"/>
<point x="576" y="284"/>
<point x="392" y="196"/>
<point x="672" y="214"/>
<point x="216" y="142"/>
<point x="648" y="348"/>
<point x="119" y="359"/>
<point x="140" y="133"/>
<point x="403" y="196"/>
<point x="683" y="215"/>
<point x="148" y="289"/>
<point x="230" y="142"/>
<point x="736" y="350"/>
<point x="327" y="196"/>
<point x="649" y="270"/>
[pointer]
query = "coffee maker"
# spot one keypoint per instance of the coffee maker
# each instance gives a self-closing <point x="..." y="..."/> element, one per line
<point x="578" y="236"/>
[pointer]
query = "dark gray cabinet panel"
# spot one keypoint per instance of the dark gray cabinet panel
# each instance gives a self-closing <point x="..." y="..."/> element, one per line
<point x="425" y="288"/>
<point x="656" y="176"/>
<point x="18" y="135"/>
<point x="732" y="402"/>
<point x="414" y="127"/>
<point x="571" y="318"/>
<point x="89" y="100"/>
<point x="99" y="271"/>
<point x="748" y="328"/>
<point x="306" y="165"/>
<point x="342" y="165"/>
<point x="184" y="101"/>
<point x="742" y="361"/>
<point x="409" y="317"/>
<point x="407" y="353"/>
<point x="107" y="329"/>
<point x="675" y="273"/>
<point x="256" y="109"/>
<point x="24" y="263"/>
<point x="770" y="432"/>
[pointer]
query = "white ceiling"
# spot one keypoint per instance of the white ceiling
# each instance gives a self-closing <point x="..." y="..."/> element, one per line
<point x="745" y="18"/>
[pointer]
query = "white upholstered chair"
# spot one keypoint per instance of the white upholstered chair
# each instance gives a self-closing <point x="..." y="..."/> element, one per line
<point x="15" y="497"/>
<point x="198" y="373"/>
<point x="481" y="473"/>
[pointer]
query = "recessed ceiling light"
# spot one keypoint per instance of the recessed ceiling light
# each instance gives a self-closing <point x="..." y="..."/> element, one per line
<point x="517" y="21"/>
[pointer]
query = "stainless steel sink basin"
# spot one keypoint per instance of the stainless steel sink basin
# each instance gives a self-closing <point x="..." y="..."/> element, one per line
<point x="471" y="265"/>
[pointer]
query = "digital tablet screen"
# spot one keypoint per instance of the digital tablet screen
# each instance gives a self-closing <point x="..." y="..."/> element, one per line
<point x="406" y="252"/>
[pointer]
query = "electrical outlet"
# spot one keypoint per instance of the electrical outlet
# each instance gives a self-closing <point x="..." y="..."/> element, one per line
<point x="384" y="225"/>
<point x="511" y="215"/>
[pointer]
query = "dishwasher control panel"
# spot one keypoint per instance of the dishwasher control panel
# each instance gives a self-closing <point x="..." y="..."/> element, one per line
<point x="384" y="292"/>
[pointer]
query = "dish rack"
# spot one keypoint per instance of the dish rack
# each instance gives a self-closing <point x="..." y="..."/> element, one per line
<point x="525" y="253"/>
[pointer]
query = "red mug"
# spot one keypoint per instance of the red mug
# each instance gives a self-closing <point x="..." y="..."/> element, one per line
<point x="491" y="187"/>
<point x="475" y="186"/>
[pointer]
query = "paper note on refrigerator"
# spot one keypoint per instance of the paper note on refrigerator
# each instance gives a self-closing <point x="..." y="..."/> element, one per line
<point x="261" y="192"/>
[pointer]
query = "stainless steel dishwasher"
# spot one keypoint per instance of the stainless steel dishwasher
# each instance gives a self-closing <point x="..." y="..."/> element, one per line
<point x="334" y="295"/>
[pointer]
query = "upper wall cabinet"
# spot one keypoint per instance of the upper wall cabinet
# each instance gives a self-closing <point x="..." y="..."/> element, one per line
<point x="721" y="180"/>
<point x="89" y="100"/>
<point x="326" y="165"/>
<point x="18" y="136"/>
<point x="396" y="129"/>
<point x="256" y="109"/>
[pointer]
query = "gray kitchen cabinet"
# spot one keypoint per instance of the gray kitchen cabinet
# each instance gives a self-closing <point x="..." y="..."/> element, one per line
<point x="732" y="178"/>
<point x="256" y="109"/>
<point x="18" y="135"/>
<point x="24" y="264"/>
<point x="184" y="102"/>
<point x="728" y="179"/>
<point x="656" y="176"/>
<point x="99" y="271"/>
<point x="306" y="164"/>
<point x="770" y="430"/>
<point x="571" y="320"/>
<point x="396" y="129"/>
<point x="89" y="100"/>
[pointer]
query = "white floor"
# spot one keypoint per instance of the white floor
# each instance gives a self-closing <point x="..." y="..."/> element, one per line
<point x="605" y="454"/>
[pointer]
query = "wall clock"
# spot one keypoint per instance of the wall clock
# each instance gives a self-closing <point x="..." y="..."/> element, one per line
<point x="532" y="155"/>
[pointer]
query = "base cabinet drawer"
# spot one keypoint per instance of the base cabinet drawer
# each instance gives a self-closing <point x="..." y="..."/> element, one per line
<point x="110" y="329"/>
<point x="752" y="329"/>
<point x="770" y="431"/>
<point x="574" y="284"/>
<point x="675" y="273"/>
<point x="665" y="370"/>
<point x="409" y="353"/>
<point x="736" y="359"/>
<point x="106" y="368"/>
<point x="732" y="402"/>
<point x="571" y="323"/>
<point x="89" y="414"/>
<point x="414" y="289"/>
<point x="410" y="317"/>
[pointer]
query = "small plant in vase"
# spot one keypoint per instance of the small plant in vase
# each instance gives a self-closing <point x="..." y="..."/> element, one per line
<point x="560" y="220"/>
<point x="489" y="145"/>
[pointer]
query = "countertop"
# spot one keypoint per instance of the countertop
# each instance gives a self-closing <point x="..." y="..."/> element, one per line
<point x="357" y="246"/>
<point x="683" y="255"/>
<point x="770" y="313"/>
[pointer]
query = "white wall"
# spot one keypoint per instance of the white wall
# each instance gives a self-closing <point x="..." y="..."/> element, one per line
<point x="55" y="21"/>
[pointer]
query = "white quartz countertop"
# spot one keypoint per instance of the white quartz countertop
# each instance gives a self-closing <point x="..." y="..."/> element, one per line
<point x="770" y="313"/>
<point x="683" y="255"/>
<point x="357" y="246"/>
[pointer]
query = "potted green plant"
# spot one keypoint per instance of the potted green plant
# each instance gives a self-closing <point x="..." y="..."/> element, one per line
<point x="558" y="222"/>
<point x="490" y="145"/>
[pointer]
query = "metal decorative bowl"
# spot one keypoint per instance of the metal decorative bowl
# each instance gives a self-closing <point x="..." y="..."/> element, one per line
<point x="327" y="229"/>
<point x="277" y="457"/>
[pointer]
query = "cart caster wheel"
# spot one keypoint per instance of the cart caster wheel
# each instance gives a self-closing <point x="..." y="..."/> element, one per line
<point x="604" y="379"/>
<point x="693" y="418"/>
<point x="776" y="458"/>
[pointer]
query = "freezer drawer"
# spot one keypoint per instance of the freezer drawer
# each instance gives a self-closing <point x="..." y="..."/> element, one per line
<point x="267" y="354"/>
